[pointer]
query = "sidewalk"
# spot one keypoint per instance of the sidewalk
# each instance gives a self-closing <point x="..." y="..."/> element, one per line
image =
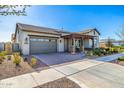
<point x="31" y="79"/>
<point x="110" y="58"/>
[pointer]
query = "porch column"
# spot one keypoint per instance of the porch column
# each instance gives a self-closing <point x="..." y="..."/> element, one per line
<point x="93" y="43"/>
<point x="73" y="46"/>
<point x="82" y="44"/>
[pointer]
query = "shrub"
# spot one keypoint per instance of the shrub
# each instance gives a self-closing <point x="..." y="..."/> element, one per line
<point x="17" y="58"/>
<point x="121" y="47"/>
<point x="115" y="50"/>
<point x="1" y="60"/>
<point x="121" y="50"/>
<point x="121" y="59"/>
<point x="8" y="57"/>
<point x="33" y="61"/>
<point x="3" y="54"/>
<point x="97" y="52"/>
<point x="89" y="53"/>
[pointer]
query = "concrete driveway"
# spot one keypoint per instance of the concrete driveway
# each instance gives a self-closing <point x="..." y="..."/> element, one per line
<point x="58" y="58"/>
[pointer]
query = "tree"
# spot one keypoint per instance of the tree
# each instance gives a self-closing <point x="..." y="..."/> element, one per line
<point x="18" y="10"/>
<point x="109" y="42"/>
<point x="120" y="32"/>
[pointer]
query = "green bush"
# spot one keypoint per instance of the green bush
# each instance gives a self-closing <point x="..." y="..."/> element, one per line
<point x="121" y="47"/>
<point x="115" y="50"/>
<point x="89" y="53"/>
<point x="102" y="51"/>
<point x="121" y="59"/>
<point x="17" y="58"/>
<point x="3" y="54"/>
<point x="121" y="50"/>
<point x="8" y="57"/>
<point x="97" y="51"/>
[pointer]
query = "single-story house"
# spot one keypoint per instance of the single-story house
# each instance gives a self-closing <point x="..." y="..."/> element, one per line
<point x="35" y="39"/>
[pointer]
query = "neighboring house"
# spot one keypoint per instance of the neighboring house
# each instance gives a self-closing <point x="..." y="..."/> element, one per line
<point x="114" y="42"/>
<point x="118" y="43"/>
<point x="35" y="39"/>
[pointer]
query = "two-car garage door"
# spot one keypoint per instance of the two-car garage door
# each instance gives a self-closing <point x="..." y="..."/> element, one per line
<point x="42" y="45"/>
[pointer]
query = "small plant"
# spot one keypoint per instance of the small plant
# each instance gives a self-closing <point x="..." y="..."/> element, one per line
<point x="8" y="57"/>
<point x="121" y="59"/>
<point x="97" y="52"/>
<point x="2" y="57"/>
<point x="33" y="61"/>
<point x="17" y="59"/>
<point x="89" y="53"/>
<point x="3" y="54"/>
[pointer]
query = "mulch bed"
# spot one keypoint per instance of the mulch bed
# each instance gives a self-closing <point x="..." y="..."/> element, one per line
<point x="60" y="83"/>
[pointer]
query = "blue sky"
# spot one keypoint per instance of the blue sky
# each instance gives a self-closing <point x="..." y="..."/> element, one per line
<point x="107" y="19"/>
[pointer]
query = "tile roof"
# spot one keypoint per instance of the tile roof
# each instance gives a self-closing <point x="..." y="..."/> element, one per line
<point x="27" y="27"/>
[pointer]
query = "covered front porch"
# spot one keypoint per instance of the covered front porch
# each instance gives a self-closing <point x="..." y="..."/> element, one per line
<point x="76" y="42"/>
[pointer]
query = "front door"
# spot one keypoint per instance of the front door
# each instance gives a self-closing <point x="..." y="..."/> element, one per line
<point x="77" y="45"/>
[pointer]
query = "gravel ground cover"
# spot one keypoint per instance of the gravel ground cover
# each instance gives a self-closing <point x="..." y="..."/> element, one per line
<point x="9" y="69"/>
<point x="60" y="83"/>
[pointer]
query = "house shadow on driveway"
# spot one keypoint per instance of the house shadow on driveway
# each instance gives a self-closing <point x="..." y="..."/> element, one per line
<point x="58" y="58"/>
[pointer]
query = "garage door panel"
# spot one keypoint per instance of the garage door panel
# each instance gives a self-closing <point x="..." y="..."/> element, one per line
<point x="43" y="46"/>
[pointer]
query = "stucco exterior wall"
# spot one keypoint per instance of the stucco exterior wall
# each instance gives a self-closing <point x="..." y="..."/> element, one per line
<point x="24" y="46"/>
<point x="88" y="43"/>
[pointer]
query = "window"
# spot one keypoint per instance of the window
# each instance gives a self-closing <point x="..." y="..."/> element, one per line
<point x="33" y="39"/>
<point x="26" y="40"/>
<point x="94" y="32"/>
<point x="42" y="39"/>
